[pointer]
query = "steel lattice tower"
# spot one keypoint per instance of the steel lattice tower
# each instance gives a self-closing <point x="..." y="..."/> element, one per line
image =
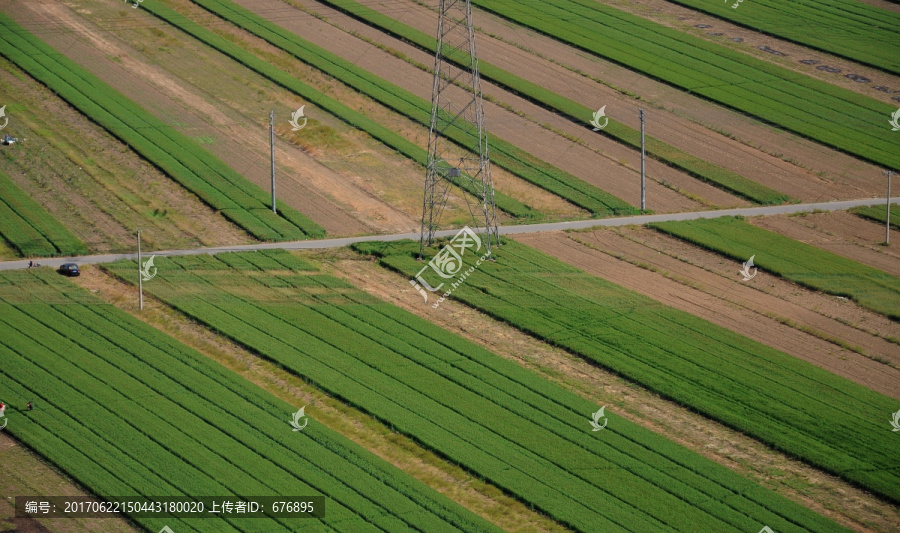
<point x="457" y="142"/>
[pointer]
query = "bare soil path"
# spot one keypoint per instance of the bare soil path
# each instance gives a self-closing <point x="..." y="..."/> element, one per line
<point x="618" y="256"/>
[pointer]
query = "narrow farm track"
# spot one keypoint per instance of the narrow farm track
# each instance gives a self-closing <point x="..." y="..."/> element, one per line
<point x="525" y="134"/>
<point x="738" y="307"/>
<point x="504" y="230"/>
<point x="844" y="176"/>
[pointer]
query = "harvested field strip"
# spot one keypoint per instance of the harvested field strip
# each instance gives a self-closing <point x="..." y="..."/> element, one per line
<point x="723" y="178"/>
<point x="793" y="260"/>
<point x="503" y="154"/>
<point x="468" y="404"/>
<point x="787" y="403"/>
<point x="878" y="214"/>
<point x="30" y="228"/>
<point x="321" y="100"/>
<point x="811" y="108"/>
<point x="852" y="30"/>
<point x="197" y="170"/>
<point x="103" y="379"/>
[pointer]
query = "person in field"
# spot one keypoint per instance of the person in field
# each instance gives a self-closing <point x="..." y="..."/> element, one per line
<point x="2" y="409"/>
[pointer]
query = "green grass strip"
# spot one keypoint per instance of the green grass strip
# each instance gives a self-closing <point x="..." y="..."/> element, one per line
<point x="830" y="115"/>
<point x="153" y="417"/>
<point x="845" y="28"/>
<point x="175" y="154"/>
<point x="793" y="260"/>
<point x="877" y="213"/>
<point x="321" y="100"/>
<point x="30" y="228"/>
<point x="659" y="150"/>
<point x="503" y="154"/>
<point x="798" y="408"/>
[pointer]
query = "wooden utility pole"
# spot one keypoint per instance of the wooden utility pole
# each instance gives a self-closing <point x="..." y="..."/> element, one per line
<point x="643" y="174"/>
<point x="272" y="151"/>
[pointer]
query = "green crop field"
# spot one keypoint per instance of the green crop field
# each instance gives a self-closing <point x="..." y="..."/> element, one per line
<point x="30" y="228"/>
<point x="833" y="116"/>
<point x="323" y="101"/>
<point x="801" y="263"/>
<point x="877" y="213"/>
<point x="711" y="173"/>
<point x="491" y="416"/>
<point x="197" y="170"/>
<point x="787" y="403"/>
<point x="128" y="411"/>
<point x="854" y="30"/>
<point x="503" y="154"/>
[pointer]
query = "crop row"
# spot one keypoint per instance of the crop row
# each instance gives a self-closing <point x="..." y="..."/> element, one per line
<point x="30" y="228"/>
<point x="811" y="108"/>
<point x="853" y="30"/>
<point x="491" y="416"/>
<point x="167" y="421"/>
<point x="793" y="260"/>
<point x="503" y="154"/>
<point x="321" y="100"/>
<point x="788" y="403"/>
<point x="197" y="170"/>
<point x="709" y="172"/>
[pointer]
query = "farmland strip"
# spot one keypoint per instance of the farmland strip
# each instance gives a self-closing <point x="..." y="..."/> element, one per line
<point x="193" y="167"/>
<point x="778" y="399"/>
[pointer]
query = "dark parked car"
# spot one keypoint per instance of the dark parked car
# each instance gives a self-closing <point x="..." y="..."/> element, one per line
<point x="69" y="269"/>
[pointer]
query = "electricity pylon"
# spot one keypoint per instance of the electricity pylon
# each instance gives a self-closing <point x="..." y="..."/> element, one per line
<point x="457" y="142"/>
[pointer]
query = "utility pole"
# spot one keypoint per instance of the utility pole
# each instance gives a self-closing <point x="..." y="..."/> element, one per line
<point x="464" y="161"/>
<point x="140" y="275"/>
<point x="887" y="214"/>
<point x="643" y="175"/>
<point x="272" y="151"/>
